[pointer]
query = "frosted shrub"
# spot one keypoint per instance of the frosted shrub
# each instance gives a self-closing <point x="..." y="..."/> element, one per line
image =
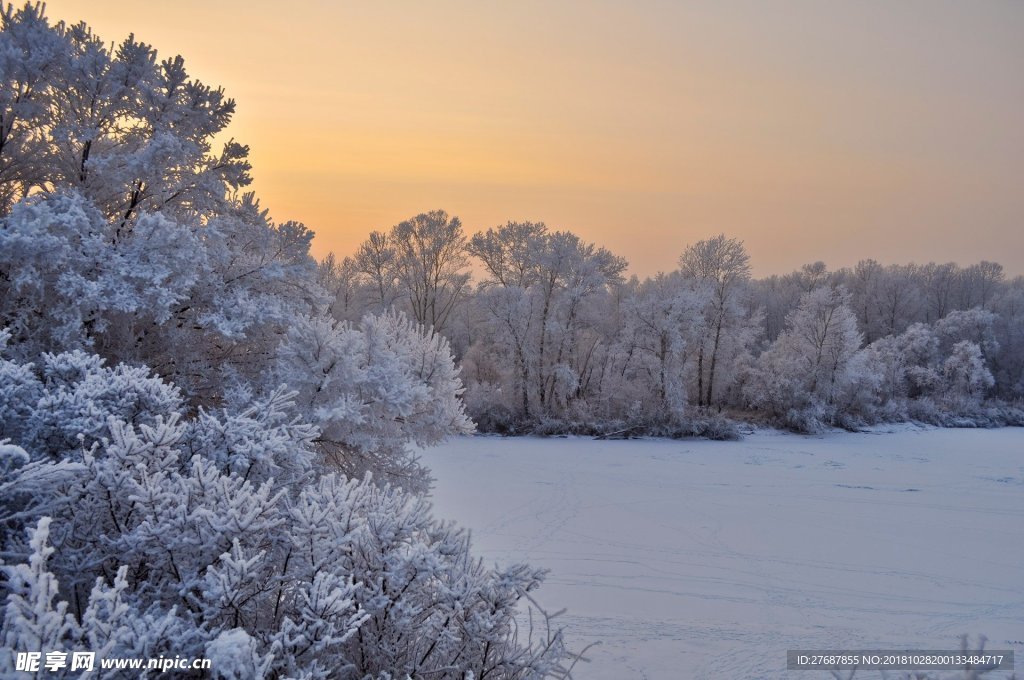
<point x="373" y="388"/>
<point x="80" y="394"/>
<point x="158" y="533"/>
<point x="114" y="622"/>
<point x="931" y="374"/>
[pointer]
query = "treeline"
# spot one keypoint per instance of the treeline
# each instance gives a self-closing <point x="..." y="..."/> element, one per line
<point x="552" y="337"/>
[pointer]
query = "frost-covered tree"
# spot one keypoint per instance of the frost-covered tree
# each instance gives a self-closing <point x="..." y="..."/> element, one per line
<point x="430" y="264"/>
<point x="974" y="325"/>
<point x="114" y="622"/>
<point x="898" y="299"/>
<point x="419" y="267"/>
<point x="376" y="262"/>
<point x="200" y="303"/>
<point x="187" y="277"/>
<point x="31" y="54"/>
<point x="121" y="227"/>
<point x="979" y="284"/>
<point x="722" y="265"/>
<point x="935" y="373"/>
<point x="965" y="375"/>
<point x="905" y="363"/>
<point x="541" y="322"/>
<point x="656" y="347"/>
<point x="939" y="289"/>
<point x="802" y="376"/>
<point x="348" y="301"/>
<point x="132" y="133"/>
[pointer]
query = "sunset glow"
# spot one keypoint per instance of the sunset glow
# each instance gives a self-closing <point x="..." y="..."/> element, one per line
<point x="810" y="130"/>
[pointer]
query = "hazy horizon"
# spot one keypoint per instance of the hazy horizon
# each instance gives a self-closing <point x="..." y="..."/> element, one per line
<point x="833" y="132"/>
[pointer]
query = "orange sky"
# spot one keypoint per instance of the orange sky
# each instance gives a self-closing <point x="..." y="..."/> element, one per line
<point x="811" y="130"/>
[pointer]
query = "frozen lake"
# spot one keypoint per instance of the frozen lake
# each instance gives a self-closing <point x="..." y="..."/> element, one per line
<point x="696" y="559"/>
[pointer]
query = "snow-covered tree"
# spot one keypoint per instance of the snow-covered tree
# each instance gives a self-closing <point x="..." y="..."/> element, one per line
<point x="540" y="312"/>
<point x="430" y="264"/>
<point x="802" y="375"/>
<point x="115" y="621"/>
<point x="904" y="363"/>
<point x="187" y="276"/>
<point x="721" y="265"/>
<point x="419" y="267"/>
<point x="130" y="132"/>
<point x="655" y="347"/>
<point x="341" y="280"/>
<point x="965" y="375"/>
<point x="979" y="284"/>
<point x="376" y="262"/>
<point x="32" y="55"/>
<point x="935" y="373"/>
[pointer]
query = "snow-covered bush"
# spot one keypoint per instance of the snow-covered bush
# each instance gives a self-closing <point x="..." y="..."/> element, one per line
<point x="373" y="388"/>
<point x="115" y="620"/>
<point x="933" y="374"/>
<point x="79" y="396"/>
<point x="162" y="531"/>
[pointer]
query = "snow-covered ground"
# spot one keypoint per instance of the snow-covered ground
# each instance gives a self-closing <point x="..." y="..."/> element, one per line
<point x="696" y="559"/>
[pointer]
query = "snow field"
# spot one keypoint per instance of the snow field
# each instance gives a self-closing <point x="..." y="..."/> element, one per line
<point x="697" y="559"/>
